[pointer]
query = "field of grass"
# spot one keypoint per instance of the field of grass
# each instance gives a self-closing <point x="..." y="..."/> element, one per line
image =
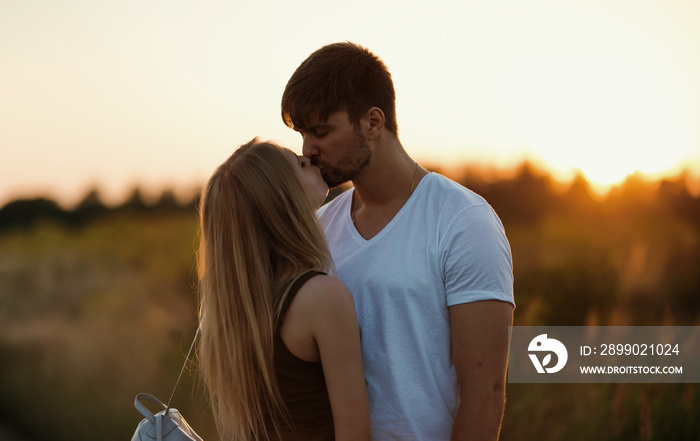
<point x="96" y="311"/>
<point x="90" y="317"/>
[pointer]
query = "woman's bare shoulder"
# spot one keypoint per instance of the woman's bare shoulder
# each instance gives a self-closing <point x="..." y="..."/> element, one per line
<point x="322" y="306"/>
<point x="323" y="292"/>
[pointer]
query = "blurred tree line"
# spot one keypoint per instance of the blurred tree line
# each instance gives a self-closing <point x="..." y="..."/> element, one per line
<point x="24" y="213"/>
<point x="526" y="198"/>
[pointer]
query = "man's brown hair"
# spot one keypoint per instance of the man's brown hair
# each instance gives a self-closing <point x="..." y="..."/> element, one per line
<point x="339" y="76"/>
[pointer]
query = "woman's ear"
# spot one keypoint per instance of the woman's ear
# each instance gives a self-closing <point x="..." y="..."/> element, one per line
<point x="376" y="119"/>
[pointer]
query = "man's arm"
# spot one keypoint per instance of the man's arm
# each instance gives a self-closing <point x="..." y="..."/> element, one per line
<point x="480" y="337"/>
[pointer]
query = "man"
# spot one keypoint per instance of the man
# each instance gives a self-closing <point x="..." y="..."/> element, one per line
<point x="427" y="260"/>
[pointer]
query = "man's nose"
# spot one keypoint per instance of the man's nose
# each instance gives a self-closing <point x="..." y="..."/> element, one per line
<point x="309" y="147"/>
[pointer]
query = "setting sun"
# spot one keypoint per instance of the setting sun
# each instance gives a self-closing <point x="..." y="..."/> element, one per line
<point x="569" y="100"/>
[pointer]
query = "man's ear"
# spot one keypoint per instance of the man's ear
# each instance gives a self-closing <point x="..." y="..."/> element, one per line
<point x="376" y="119"/>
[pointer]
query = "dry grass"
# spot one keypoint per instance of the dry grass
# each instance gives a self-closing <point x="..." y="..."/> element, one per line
<point x="91" y="316"/>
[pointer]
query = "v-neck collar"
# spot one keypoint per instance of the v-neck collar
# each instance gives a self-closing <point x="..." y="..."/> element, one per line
<point x="397" y="217"/>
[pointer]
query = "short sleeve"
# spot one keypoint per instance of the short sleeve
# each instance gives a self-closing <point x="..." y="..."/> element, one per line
<point x="476" y="258"/>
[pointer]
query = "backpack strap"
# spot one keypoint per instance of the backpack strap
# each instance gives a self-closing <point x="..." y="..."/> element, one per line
<point x="187" y="359"/>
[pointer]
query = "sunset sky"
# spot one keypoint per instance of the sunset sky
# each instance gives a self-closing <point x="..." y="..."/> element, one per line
<point x="114" y="94"/>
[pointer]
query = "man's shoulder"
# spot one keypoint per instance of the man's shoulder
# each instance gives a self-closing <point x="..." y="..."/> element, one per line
<point x="456" y="208"/>
<point x="449" y="192"/>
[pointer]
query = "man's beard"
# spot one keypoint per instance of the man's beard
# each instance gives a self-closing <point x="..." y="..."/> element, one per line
<point x="351" y="164"/>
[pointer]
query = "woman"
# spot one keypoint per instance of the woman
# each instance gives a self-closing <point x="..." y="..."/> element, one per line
<point x="280" y="346"/>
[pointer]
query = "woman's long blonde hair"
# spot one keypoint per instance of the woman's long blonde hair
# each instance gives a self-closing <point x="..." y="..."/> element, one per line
<point x="258" y="233"/>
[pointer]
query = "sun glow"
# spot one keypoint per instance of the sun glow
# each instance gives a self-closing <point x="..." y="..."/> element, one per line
<point x="118" y="94"/>
<point x="572" y="101"/>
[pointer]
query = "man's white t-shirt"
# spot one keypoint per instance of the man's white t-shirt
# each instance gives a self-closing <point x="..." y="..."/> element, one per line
<point x="445" y="246"/>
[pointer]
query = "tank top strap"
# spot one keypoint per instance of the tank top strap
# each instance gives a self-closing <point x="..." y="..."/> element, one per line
<point x="296" y="286"/>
